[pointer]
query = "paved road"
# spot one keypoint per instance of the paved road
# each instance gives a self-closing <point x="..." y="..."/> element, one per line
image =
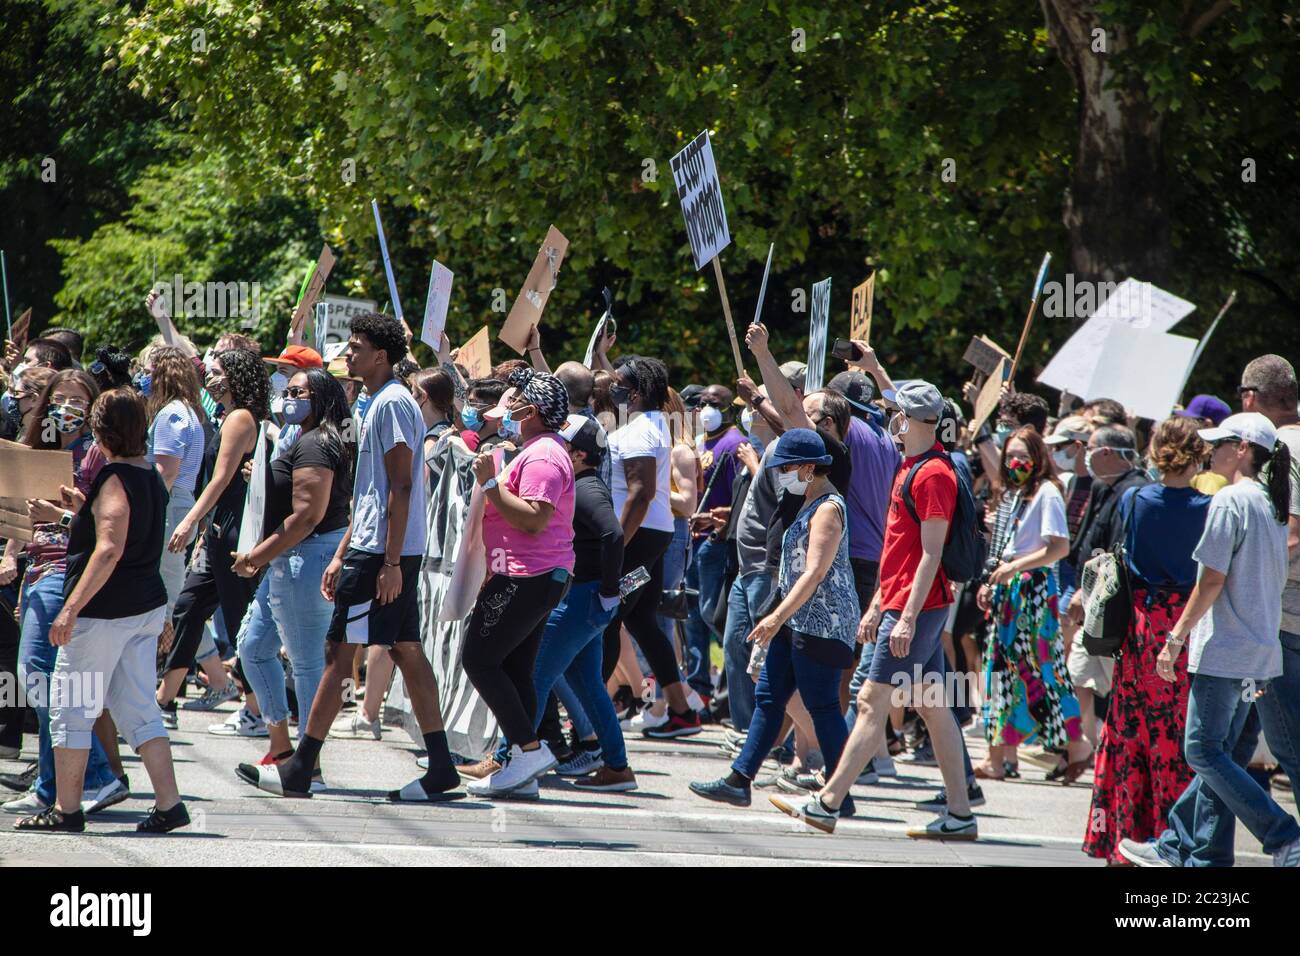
<point x="1026" y="822"/>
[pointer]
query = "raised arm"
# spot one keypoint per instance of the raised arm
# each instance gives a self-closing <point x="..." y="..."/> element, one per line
<point x="782" y="396"/>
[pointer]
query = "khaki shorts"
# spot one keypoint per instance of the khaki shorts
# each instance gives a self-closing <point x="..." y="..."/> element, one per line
<point x="1088" y="671"/>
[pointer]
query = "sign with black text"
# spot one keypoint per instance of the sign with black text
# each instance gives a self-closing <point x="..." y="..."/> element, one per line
<point x="817" y="326"/>
<point x="696" y="178"/>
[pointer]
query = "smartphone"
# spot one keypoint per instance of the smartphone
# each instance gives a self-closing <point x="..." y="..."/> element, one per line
<point x="844" y="349"/>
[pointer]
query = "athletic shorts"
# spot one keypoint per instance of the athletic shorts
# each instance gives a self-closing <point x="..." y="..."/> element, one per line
<point x="358" y="619"/>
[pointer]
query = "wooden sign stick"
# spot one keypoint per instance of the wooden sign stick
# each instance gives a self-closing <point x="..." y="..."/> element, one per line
<point x="726" y="311"/>
<point x="1029" y="319"/>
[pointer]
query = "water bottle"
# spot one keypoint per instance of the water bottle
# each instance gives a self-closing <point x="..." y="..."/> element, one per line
<point x="636" y="578"/>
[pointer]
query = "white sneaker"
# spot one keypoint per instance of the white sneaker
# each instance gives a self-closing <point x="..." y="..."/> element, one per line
<point x="522" y="767"/>
<point x="1289" y="855"/>
<point x="946" y="827"/>
<point x="695" y="702"/>
<point x="242" y="723"/>
<point x="1141" y="854"/>
<point x="645" y="720"/>
<point x="884" y="766"/>
<point x="356" y="727"/>
<point x="92" y="801"/>
<point x="28" y="803"/>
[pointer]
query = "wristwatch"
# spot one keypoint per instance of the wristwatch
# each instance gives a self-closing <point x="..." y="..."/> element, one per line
<point x="490" y="483"/>
<point x="65" y="520"/>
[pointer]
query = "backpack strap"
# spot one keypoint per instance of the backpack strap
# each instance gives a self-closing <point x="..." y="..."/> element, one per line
<point x="906" y="492"/>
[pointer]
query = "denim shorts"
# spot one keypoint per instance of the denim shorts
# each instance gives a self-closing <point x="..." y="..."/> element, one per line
<point x="925" y="656"/>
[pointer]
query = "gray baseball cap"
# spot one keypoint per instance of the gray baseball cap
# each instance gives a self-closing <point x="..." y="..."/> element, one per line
<point x="919" y="400"/>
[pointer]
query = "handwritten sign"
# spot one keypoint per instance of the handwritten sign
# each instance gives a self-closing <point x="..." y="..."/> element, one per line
<point x="312" y="293"/>
<point x="695" y="176"/>
<point x="527" y="310"/>
<point x="985" y="354"/>
<point x="476" y="355"/>
<point x="860" y="311"/>
<point x="990" y="394"/>
<point x="818" y="323"/>
<point x="20" y="330"/>
<point x="435" y="305"/>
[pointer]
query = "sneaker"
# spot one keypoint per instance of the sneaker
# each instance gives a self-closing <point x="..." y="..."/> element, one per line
<point x="53" y="820"/>
<point x="645" y="720"/>
<point x="356" y="727"/>
<point x="798" y="783"/>
<point x="735" y="736"/>
<point x="521" y="767"/>
<point x="939" y="802"/>
<point x="476" y="771"/>
<point x="1289" y="855"/>
<point x="922" y="756"/>
<point x="810" y="811"/>
<point x="1142" y="854"/>
<point x="884" y="766"/>
<point x="607" y="780"/>
<point x="317" y="782"/>
<point x="28" y="803"/>
<point x="242" y="723"/>
<point x="722" y="792"/>
<point x="169" y="719"/>
<point x="677" y="725"/>
<point x="9" y="753"/>
<point x="869" y="776"/>
<point x="20" y="782"/>
<point x="581" y="764"/>
<point x="946" y="827"/>
<point x="698" y="702"/>
<point x="213" y="698"/>
<point x="93" y="801"/>
<point x="529" y="791"/>
<point x="158" y="821"/>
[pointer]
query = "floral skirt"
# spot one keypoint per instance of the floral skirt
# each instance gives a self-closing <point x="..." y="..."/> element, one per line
<point x="1028" y="695"/>
<point x="1140" y="770"/>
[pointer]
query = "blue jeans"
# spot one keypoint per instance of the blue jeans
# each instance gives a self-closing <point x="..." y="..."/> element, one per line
<point x="572" y="646"/>
<point x="1200" y="832"/>
<point x="785" y="671"/>
<point x="745" y="602"/>
<point x="41" y="603"/>
<point x="705" y="572"/>
<point x="674" y="574"/>
<point x="582" y="728"/>
<point x="289" y="607"/>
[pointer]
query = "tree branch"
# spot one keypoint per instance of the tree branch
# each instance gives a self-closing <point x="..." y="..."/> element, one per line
<point x="1201" y="23"/>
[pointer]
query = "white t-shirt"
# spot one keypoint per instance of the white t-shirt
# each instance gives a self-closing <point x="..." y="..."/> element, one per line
<point x="1042" y="518"/>
<point x="645" y="436"/>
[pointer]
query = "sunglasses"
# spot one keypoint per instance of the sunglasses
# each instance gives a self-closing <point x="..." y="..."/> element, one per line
<point x="297" y="391"/>
<point x="1243" y="389"/>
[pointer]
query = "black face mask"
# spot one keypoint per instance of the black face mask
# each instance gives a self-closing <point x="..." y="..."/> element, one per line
<point x="620" y="394"/>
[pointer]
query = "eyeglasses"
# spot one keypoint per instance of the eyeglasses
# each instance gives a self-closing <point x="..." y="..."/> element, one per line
<point x="297" y="391"/>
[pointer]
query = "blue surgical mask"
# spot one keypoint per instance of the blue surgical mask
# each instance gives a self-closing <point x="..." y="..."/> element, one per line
<point x="144" y="382"/>
<point x="509" y="427"/>
<point x="296" y="410"/>
<point x="471" y="417"/>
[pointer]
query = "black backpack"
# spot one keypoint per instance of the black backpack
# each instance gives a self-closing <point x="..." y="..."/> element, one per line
<point x="965" y="551"/>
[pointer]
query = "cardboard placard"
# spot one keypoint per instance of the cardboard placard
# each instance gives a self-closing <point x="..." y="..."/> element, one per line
<point x="315" y="288"/>
<point x="435" y="305"/>
<point x="1142" y="369"/>
<point x="860" y="312"/>
<point x="695" y="176"/>
<point x="985" y="354"/>
<point x="476" y="355"/>
<point x="990" y="394"/>
<point x="250" y="528"/>
<point x="818" y="323"/>
<point x="388" y="265"/>
<point x="29" y="473"/>
<point x="21" y="329"/>
<point x="527" y="310"/>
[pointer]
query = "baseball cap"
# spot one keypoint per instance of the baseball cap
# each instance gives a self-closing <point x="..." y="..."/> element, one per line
<point x="798" y="446"/>
<point x="1206" y="406"/>
<point x="1246" y="426"/>
<point x="796" y="373"/>
<point x="855" y="387"/>
<point x="1068" y="429"/>
<point x="585" y="434"/>
<point x="919" y="400"/>
<point x="299" y="356"/>
<point x="691" y="395"/>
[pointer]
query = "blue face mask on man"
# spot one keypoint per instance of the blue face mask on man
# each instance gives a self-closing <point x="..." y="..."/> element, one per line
<point x="472" y="418"/>
<point x="295" y="410"/>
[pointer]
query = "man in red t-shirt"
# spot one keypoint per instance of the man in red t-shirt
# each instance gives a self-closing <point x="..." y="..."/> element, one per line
<point x="904" y="624"/>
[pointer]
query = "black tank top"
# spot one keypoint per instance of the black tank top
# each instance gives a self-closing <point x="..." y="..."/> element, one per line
<point x="135" y="586"/>
<point x="228" y="512"/>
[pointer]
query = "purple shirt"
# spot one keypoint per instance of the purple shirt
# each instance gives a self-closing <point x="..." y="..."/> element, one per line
<point x="711" y="453"/>
<point x="875" y="460"/>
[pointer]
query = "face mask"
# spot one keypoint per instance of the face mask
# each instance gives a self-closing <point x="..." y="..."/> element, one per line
<point x="216" y="386"/>
<point x="296" y="410"/>
<point x="747" y="421"/>
<point x="144" y="382"/>
<point x="710" y="418"/>
<point x="16" y="375"/>
<point x="67" y="418"/>
<point x="898" y="426"/>
<point x="510" y="426"/>
<point x="620" y="394"/>
<point x="1153" y="473"/>
<point x="472" y="418"/>
<point x="790" y="481"/>
<point x="279" y="381"/>
<point x="1087" y="462"/>
<point x="1019" y="470"/>
<point x="1064" y="460"/>
<point x="9" y="408"/>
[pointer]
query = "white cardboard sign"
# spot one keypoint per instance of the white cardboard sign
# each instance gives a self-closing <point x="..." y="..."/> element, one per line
<point x="818" y="324"/>
<point x="696" y="177"/>
<point x="435" y="305"/>
<point x="1142" y="369"/>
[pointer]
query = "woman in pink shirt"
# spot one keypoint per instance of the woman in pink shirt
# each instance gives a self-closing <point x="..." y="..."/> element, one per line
<point x="528" y="534"/>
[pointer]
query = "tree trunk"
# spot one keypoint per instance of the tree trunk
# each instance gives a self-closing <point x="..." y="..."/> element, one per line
<point x="1116" y="209"/>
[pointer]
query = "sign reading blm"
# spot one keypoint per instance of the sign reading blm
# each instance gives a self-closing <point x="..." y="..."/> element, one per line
<point x="696" y="179"/>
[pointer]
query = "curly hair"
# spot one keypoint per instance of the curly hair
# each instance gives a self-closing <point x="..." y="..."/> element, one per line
<point x="384" y="332"/>
<point x="1175" y="446"/>
<point x="648" y="376"/>
<point x="504" y="369"/>
<point x="1027" y="409"/>
<point x="250" y="386"/>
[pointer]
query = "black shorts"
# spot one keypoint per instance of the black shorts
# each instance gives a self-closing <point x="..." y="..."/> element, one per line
<point x="385" y="624"/>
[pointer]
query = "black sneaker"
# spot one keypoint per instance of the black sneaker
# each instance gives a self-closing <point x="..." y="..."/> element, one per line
<point x="53" y="820"/>
<point x="722" y="792"/>
<point x="677" y="725"/>
<point x="20" y="782"/>
<point x="159" y="821"/>
<point x="939" y="802"/>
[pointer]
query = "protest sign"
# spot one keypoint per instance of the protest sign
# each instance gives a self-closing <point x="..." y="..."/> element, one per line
<point x="527" y="310"/>
<point x="4" y="274"/>
<point x="1029" y="318"/>
<point x="250" y="529"/>
<point x="29" y="473"/>
<point x="695" y="176"/>
<point x="600" y="327"/>
<point x="388" y="265"/>
<point x="1132" y="303"/>
<point x="18" y="334"/>
<point x="333" y="351"/>
<point x="476" y="355"/>
<point x="860" y="311"/>
<point x="1142" y="369"/>
<point x="818" y="323"/>
<point x="990" y="394"/>
<point x="435" y="305"/>
<point x="762" y="289"/>
<point x="311" y="293"/>
<point x="339" y="313"/>
<point x="985" y="354"/>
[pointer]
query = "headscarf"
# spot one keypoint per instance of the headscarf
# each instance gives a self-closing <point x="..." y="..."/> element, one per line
<point x="545" y="391"/>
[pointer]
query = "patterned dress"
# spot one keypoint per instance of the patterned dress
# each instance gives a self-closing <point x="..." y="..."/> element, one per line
<point x="1141" y="771"/>
<point x="1028" y="695"/>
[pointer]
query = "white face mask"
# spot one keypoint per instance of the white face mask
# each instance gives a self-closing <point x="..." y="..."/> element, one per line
<point x="747" y="421"/>
<point x="1064" y="460"/>
<point x="790" y="481"/>
<point x="897" y="430"/>
<point x="710" y="418"/>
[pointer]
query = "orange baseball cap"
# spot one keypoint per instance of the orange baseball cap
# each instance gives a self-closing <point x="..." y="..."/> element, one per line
<point x="299" y="356"/>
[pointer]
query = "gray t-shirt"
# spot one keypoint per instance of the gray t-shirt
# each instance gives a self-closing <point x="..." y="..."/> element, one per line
<point x="393" y="418"/>
<point x="1238" y="637"/>
<point x="755" y="517"/>
<point x="1291" y="596"/>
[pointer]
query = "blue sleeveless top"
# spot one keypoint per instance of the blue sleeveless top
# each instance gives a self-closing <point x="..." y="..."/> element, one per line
<point x="832" y="611"/>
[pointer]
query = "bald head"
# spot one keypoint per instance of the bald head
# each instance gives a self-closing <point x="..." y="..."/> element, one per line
<point x="579" y="381"/>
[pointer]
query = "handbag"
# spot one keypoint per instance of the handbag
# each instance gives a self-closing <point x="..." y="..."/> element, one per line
<point x="676" y="604"/>
<point x="1107" y="590"/>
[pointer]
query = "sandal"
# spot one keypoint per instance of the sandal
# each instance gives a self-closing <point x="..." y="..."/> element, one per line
<point x="53" y="820"/>
<point x="1011" y="770"/>
<point x="982" y="774"/>
<point x="1073" y="771"/>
